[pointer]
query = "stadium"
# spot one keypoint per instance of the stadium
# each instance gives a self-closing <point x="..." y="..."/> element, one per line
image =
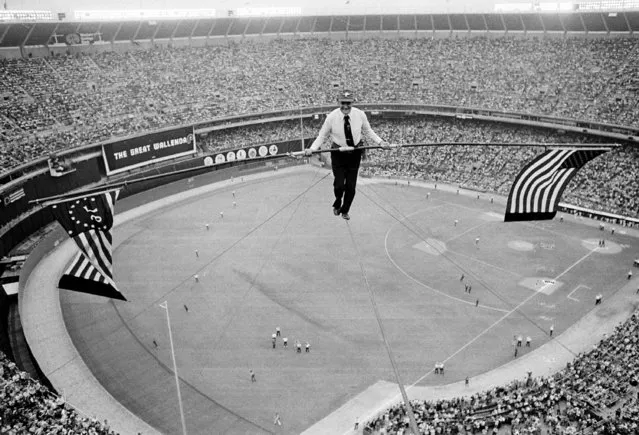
<point x="188" y="128"/>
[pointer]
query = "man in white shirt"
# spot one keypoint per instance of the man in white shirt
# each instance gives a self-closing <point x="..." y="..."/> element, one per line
<point x="345" y="127"/>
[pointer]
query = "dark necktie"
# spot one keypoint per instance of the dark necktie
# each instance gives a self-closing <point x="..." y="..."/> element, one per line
<point x="348" y="133"/>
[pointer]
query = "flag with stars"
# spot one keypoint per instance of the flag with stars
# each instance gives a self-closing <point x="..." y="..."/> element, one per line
<point x="536" y="192"/>
<point x="88" y="221"/>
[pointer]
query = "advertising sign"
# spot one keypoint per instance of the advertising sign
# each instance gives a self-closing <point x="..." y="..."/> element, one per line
<point x="150" y="148"/>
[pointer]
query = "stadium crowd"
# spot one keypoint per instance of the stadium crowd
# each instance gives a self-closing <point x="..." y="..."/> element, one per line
<point x="54" y="103"/>
<point x="609" y="183"/>
<point x="51" y="104"/>
<point x="65" y="101"/>
<point x="29" y="407"/>
<point x="598" y="393"/>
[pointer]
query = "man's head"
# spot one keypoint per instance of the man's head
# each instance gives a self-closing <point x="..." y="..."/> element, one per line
<point x="345" y="100"/>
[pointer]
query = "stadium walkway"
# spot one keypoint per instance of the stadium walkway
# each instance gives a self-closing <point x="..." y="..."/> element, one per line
<point x="58" y="358"/>
<point x="50" y="343"/>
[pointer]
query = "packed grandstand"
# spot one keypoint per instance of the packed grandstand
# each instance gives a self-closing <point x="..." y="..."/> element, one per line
<point x="55" y="103"/>
<point x="78" y="100"/>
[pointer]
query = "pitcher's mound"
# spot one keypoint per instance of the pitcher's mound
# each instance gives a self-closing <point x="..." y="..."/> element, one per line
<point x="520" y="245"/>
<point x="431" y="246"/>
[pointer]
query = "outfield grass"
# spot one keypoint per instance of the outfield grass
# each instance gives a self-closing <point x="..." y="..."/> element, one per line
<point x="275" y="260"/>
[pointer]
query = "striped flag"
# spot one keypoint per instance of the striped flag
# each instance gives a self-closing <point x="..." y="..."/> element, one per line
<point x="537" y="189"/>
<point x="88" y="220"/>
<point x="14" y="196"/>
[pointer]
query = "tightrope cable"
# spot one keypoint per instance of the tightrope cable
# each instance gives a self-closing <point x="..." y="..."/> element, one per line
<point x="409" y="409"/>
<point x="268" y="257"/>
<point x="234" y="244"/>
<point x="512" y="308"/>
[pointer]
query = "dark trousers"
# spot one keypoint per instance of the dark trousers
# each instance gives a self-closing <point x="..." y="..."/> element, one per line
<point x="345" y="168"/>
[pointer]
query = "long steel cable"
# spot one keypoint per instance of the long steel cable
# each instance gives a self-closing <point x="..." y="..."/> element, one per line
<point x="389" y="351"/>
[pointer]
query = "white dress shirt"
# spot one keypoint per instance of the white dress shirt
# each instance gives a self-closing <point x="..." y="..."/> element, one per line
<point x="333" y="127"/>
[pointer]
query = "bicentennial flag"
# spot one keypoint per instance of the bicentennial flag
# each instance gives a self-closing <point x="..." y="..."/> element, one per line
<point x="88" y="220"/>
<point x="537" y="189"/>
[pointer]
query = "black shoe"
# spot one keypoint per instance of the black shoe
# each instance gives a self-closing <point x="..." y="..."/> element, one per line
<point x="346" y="216"/>
<point x="336" y="211"/>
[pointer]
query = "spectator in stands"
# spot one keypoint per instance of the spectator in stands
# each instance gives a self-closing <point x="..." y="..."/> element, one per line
<point x="598" y="391"/>
<point x="109" y="95"/>
<point x="28" y="407"/>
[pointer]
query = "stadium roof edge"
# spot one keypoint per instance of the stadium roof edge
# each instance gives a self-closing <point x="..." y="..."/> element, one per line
<point x="56" y="33"/>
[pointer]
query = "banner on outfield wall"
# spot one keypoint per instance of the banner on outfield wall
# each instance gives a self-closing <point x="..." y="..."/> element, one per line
<point x="151" y="148"/>
<point x="243" y="154"/>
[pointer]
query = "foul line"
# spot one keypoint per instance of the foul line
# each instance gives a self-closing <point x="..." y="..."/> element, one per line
<point x="394" y="398"/>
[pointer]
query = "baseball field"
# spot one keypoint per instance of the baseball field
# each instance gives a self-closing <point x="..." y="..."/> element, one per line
<point x="247" y="256"/>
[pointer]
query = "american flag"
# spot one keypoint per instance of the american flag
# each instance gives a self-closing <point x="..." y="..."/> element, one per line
<point x="88" y="220"/>
<point x="14" y="196"/>
<point x="537" y="189"/>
